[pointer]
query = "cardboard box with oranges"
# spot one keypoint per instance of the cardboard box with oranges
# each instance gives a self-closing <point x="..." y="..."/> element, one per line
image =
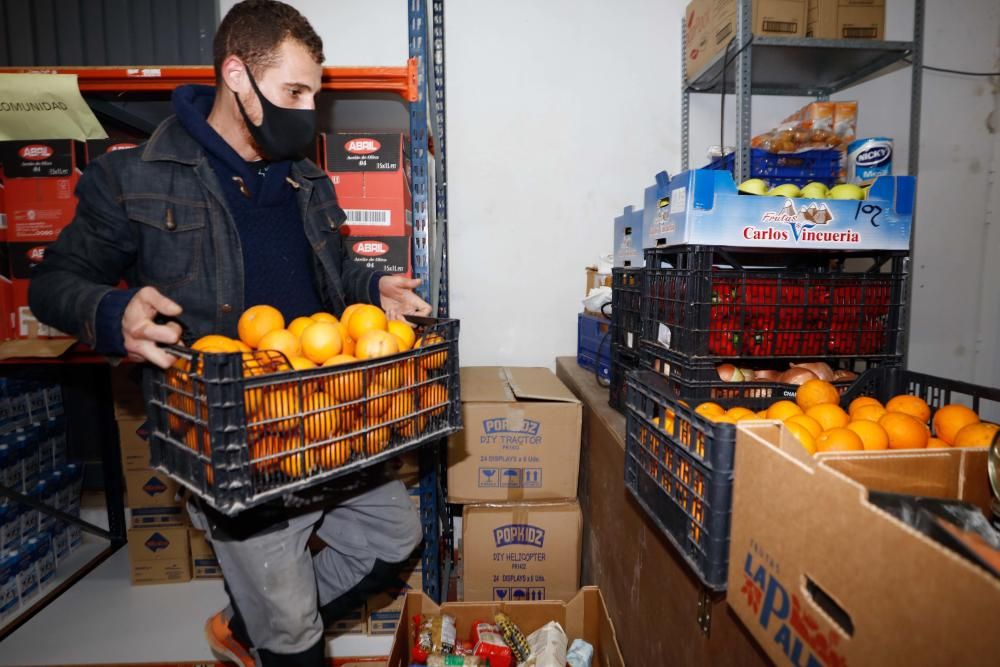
<point x="821" y="575"/>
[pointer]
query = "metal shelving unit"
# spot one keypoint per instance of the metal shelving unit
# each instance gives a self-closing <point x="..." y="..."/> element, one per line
<point x="799" y="66"/>
<point x="427" y="123"/>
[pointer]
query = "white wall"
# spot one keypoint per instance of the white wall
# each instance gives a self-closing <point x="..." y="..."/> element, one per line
<point x="560" y="112"/>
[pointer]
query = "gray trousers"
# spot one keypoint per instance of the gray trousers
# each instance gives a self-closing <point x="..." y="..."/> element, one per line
<point x="279" y="587"/>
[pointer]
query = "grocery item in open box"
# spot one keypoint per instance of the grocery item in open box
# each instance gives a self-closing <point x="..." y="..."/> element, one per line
<point x="709" y="303"/>
<point x="241" y="429"/>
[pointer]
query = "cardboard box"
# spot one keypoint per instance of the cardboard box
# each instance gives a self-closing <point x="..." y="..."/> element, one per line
<point x="39" y="179"/>
<point x="6" y="286"/>
<point x="384" y="610"/>
<point x="204" y="564"/>
<point x="133" y="437"/>
<point x="389" y="254"/>
<point x="126" y="392"/>
<point x="152" y="498"/>
<point x="159" y="555"/>
<point x="521" y="439"/>
<point x="846" y="19"/>
<point x="585" y="616"/>
<point x="371" y="173"/>
<point x="595" y="279"/>
<point x="355" y="623"/>
<point x="628" y="252"/>
<point x="804" y="535"/>
<point x="711" y="24"/>
<point x="525" y="551"/>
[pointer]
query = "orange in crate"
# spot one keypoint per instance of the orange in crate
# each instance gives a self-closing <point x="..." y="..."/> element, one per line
<point x="299" y="463"/>
<point x="347" y="386"/>
<point x="280" y="407"/>
<point x="378" y="400"/>
<point x="263" y="448"/>
<point x="435" y="360"/>
<point x="434" y="395"/>
<point x="364" y="319"/>
<point x="952" y="418"/>
<point x="320" y="419"/>
<point x="258" y="321"/>
<point x="335" y="454"/>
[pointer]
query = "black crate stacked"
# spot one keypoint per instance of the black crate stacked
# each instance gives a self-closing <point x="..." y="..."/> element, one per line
<point x="626" y="329"/>
<point x="705" y="306"/>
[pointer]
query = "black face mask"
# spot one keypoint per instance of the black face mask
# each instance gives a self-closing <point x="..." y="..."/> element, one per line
<point x="283" y="134"/>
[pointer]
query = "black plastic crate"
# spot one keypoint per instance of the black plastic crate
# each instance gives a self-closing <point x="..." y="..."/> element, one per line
<point x="679" y="468"/>
<point x="696" y="379"/>
<point x="818" y="165"/>
<point x="712" y="303"/>
<point x="622" y="361"/>
<point x="626" y="307"/>
<point x="884" y="383"/>
<point x="241" y="429"/>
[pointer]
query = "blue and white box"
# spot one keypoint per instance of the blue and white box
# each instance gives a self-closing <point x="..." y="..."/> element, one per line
<point x="628" y="239"/>
<point x="706" y="209"/>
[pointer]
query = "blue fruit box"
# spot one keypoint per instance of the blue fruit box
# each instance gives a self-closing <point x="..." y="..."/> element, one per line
<point x="706" y="209"/>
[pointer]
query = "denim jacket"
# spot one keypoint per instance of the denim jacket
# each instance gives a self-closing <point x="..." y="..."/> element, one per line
<point x="156" y="215"/>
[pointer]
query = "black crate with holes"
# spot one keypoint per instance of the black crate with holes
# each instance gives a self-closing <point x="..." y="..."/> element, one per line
<point x="721" y="304"/>
<point x="622" y="361"/>
<point x="626" y="308"/>
<point x="240" y="429"/>
<point x="679" y="468"/>
<point x="884" y="383"/>
<point x="700" y="380"/>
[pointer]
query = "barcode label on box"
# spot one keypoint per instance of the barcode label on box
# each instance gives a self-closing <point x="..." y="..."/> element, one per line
<point x="780" y="26"/>
<point x="379" y="218"/>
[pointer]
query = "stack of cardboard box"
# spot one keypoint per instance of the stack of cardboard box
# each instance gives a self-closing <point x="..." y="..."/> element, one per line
<point x="39" y="180"/>
<point x="710" y="25"/>
<point x="163" y="548"/>
<point x="371" y="174"/>
<point x="515" y="468"/>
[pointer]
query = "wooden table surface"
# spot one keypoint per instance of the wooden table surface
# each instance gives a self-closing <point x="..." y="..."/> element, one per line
<point x="651" y="594"/>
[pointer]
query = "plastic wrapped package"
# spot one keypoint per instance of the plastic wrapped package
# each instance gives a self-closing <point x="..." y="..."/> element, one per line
<point x="435" y="635"/>
<point x="438" y="660"/>
<point x="488" y="642"/>
<point x="581" y="654"/>
<point x="817" y="125"/>
<point x="513" y="637"/>
<point x="548" y="646"/>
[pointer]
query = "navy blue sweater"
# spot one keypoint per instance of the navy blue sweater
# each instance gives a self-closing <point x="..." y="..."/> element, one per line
<point x="277" y="258"/>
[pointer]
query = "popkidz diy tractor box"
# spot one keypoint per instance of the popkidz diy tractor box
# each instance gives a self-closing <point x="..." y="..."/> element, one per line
<point x="707" y="209"/>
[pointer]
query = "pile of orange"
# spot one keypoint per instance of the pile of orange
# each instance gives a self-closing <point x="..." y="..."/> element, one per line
<point x="334" y="416"/>
<point x="818" y="421"/>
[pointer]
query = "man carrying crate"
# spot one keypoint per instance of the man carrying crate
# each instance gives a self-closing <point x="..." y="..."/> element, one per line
<point x="218" y="211"/>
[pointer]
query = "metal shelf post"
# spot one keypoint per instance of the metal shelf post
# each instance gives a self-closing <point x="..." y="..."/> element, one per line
<point x="427" y="230"/>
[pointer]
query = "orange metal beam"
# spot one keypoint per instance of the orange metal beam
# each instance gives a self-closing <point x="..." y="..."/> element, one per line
<point x="399" y="80"/>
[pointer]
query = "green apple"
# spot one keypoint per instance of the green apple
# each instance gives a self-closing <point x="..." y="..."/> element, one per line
<point x="753" y="186"/>
<point x="846" y="191"/>
<point x="785" y="190"/>
<point x="815" y="191"/>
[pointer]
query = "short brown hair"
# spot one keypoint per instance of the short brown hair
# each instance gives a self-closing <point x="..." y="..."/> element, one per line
<point x="254" y="29"/>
